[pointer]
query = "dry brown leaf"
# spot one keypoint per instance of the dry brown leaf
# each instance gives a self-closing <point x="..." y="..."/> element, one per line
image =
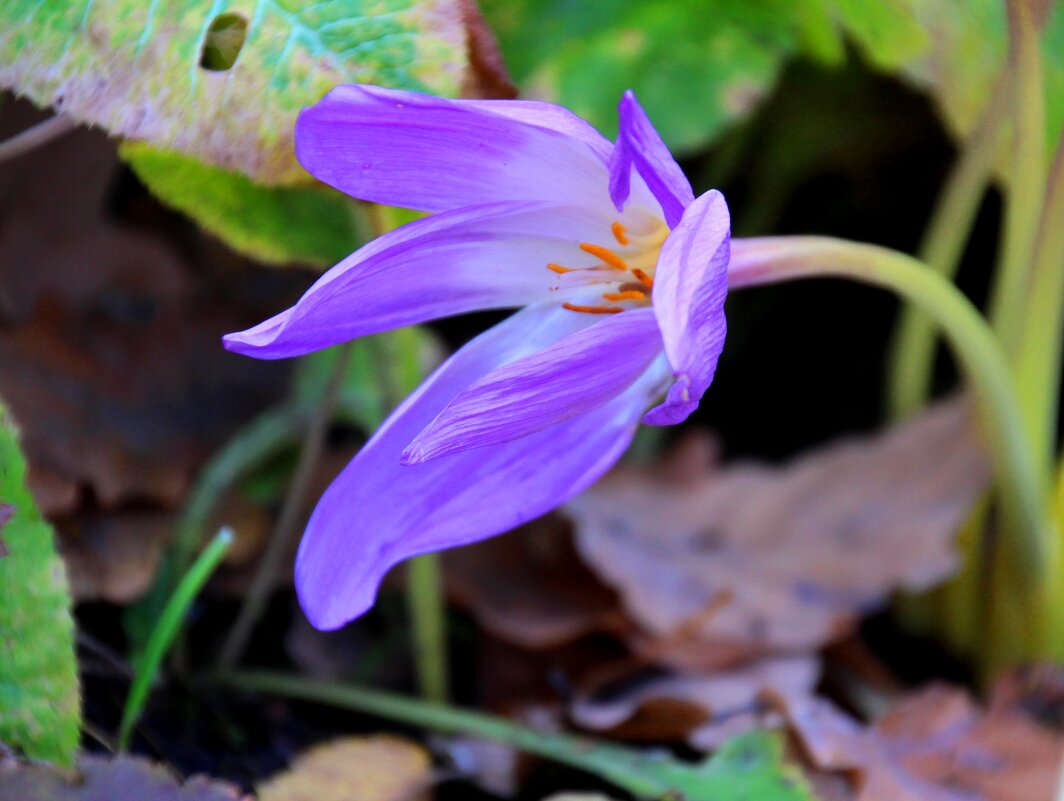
<point x="530" y="587"/>
<point x="113" y="557"/>
<point x="110" y="354"/>
<point x="377" y="768"/>
<point x="122" y="778"/>
<point x="731" y="564"/>
<point x="935" y="745"/>
<point x="703" y="709"/>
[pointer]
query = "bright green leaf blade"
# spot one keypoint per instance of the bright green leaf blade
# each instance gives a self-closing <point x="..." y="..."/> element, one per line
<point x="134" y="66"/>
<point x="312" y="225"/>
<point x="167" y="627"/>
<point x="749" y="767"/>
<point x="39" y="704"/>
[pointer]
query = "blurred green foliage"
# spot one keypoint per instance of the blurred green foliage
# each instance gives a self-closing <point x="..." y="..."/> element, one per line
<point x="699" y="65"/>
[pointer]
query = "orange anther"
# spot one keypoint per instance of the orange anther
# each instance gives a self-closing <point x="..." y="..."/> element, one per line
<point x="557" y="268"/>
<point x="593" y="309"/>
<point x="619" y="233"/>
<point x="607" y="255"/>
<point x="646" y="280"/>
<point x="632" y="294"/>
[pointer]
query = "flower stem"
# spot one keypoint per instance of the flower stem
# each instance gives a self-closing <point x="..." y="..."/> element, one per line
<point x="913" y="347"/>
<point x="425" y="601"/>
<point x="400" y="373"/>
<point x="280" y="540"/>
<point x="1030" y="536"/>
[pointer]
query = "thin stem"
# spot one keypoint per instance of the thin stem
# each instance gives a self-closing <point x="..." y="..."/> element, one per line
<point x="265" y="436"/>
<point x="399" y="373"/>
<point x="1026" y="186"/>
<point x="774" y="259"/>
<point x="644" y="775"/>
<point x="912" y="351"/>
<point x="32" y="138"/>
<point x="425" y="591"/>
<point x="1038" y="371"/>
<point x="236" y="643"/>
<point x="425" y="600"/>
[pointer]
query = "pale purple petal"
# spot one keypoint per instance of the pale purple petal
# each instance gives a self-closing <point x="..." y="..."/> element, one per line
<point x="483" y="257"/>
<point x="574" y="375"/>
<point x="690" y="284"/>
<point x="640" y="146"/>
<point x="379" y="512"/>
<point x="423" y="152"/>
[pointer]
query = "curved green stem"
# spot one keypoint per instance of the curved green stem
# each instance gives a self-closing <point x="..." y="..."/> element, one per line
<point x="775" y="259"/>
<point x="912" y="349"/>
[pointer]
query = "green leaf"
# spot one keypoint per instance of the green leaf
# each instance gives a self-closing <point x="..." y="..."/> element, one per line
<point x="697" y="65"/>
<point x="39" y="705"/>
<point x="312" y="225"/>
<point x="149" y="69"/>
<point x="166" y="628"/>
<point x="750" y="766"/>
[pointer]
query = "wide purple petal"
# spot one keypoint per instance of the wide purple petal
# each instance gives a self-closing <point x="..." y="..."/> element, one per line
<point x="690" y="284"/>
<point x="576" y="374"/>
<point x="423" y="152"/>
<point x="482" y="257"/>
<point x="380" y="512"/>
<point x="639" y="145"/>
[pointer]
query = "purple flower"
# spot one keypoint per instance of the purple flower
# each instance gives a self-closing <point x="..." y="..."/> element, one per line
<point x="533" y="208"/>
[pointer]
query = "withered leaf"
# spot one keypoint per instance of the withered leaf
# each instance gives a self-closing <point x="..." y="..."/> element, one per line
<point x="935" y="745"/>
<point x="530" y="587"/>
<point x="377" y="768"/>
<point x="99" y="779"/>
<point x="109" y="355"/>
<point x="705" y="709"/>
<point x="738" y="562"/>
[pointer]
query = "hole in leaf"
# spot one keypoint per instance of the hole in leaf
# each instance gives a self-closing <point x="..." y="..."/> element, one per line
<point x="222" y="44"/>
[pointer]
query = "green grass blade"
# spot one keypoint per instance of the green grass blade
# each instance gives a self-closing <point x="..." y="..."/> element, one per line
<point x="169" y="623"/>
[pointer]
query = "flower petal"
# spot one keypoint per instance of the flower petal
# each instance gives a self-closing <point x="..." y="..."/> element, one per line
<point x="483" y="257"/>
<point x="690" y="284"/>
<point x="551" y="116"/>
<point x="576" y="374"/>
<point x="423" y="152"/>
<point x="379" y="512"/>
<point x="640" y="145"/>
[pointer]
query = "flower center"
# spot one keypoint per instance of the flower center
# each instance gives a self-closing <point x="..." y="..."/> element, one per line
<point x="626" y="270"/>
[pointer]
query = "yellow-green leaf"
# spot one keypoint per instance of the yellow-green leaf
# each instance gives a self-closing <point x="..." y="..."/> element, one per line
<point x="156" y="69"/>
<point x="312" y="225"/>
